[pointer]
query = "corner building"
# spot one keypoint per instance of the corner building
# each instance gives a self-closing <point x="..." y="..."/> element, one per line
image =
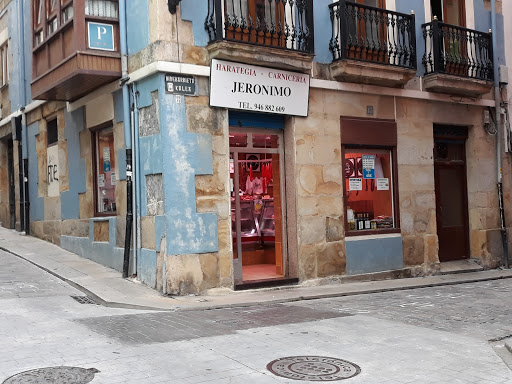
<point x="268" y="142"/>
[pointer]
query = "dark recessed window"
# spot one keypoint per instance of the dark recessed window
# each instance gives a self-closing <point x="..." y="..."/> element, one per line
<point x="53" y="133"/>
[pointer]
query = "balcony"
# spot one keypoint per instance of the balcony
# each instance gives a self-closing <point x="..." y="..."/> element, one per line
<point x="372" y="45"/>
<point x="275" y="33"/>
<point x="68" y="62"/>
<point x="453" y="54"/>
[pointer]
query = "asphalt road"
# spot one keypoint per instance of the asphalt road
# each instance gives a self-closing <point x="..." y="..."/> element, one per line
<point x="430" y="335"/>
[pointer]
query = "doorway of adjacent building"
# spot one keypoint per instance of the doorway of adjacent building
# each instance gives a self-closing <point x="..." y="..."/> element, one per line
<point x="256" y="164"/>
<point x="451" y="194"/>
<point x="12" y="190"/>
<point x="449" y="11"/>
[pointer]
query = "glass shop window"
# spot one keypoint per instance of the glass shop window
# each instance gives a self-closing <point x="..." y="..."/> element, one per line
<point x="369" y="190"/>
<point x="102" y="8"/>
<point x="105" y="175"/>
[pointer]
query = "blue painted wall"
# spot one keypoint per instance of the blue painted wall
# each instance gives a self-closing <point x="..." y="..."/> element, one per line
<point x="418" y="6"/>
<point x="373" y="255"/>
<point x="323" y="31"/>
<point x="137" y="14"/>
<point x="74" y="124"/>
<point x="196" y="12"/>
<point x="483" y="23"/>
<point x="186" y="155"/>
<point x="18" y="80"/>
<point x="36" y="202"/>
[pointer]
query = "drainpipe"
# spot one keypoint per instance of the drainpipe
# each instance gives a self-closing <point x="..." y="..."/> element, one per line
<point x="25" y="222"/>
<point x="138" y="181"/>
<point x="127" y="137"/>
<point x="497" y="98"/>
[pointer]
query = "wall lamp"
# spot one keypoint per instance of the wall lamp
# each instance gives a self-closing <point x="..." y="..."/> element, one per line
<point x="172" y="5"/>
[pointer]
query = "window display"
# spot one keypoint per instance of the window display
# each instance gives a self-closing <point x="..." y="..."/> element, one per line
<point x="369" y="189"/>
<point x="105" y="171"/>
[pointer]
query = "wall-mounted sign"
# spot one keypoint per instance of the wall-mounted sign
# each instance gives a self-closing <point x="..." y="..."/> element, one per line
<point x="178" y="84"/>
<point x="382" y="184"/>
<point x="258" y="89"/>
<point x="52" y="163"/>
<point x="101" y="36"/>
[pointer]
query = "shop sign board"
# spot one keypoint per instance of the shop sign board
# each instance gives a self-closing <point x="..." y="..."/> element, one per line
<point x="101" y="36"/>
<point x="258" y="89"/>
<point x="178" y="84"/>
<point x="52" y="161"/>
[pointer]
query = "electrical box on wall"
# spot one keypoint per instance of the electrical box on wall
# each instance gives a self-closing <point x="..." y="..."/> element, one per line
<point x="503" y="74"/>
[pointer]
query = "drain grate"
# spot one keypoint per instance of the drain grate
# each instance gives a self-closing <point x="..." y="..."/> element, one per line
<point x="54" y="375"/>
<point x="84" y="300"/>
<point x="313" y="368"/>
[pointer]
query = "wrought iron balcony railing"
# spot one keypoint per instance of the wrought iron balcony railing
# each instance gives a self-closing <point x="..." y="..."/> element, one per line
<point x="365" y="33"/>
<point x="286" y="24"/>
<point x="457" y="51"/>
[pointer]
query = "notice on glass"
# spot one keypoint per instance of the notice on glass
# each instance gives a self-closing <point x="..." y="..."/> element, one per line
<point x="383" y="184"/>
<point x="101" y="180"/>
<point x="355" y="184"/>
<point x="106" y="154"/>
<point x="113" y="180"/>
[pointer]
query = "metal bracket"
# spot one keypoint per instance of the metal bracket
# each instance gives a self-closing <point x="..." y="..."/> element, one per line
<point x="172" y="5"/>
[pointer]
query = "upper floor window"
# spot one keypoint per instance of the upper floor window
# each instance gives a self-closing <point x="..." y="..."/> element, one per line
<point x="102" y="8"/>
<point x="4" y="55"/>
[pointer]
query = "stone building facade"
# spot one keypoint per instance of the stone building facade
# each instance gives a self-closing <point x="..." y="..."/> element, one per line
<point x="423" y="130"/>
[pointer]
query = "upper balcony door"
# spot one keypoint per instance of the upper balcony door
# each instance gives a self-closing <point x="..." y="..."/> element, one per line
<point x="449" y="11"/>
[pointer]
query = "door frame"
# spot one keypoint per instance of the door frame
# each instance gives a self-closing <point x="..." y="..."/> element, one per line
<point x="450" y="164"/>
<point x="237" y="263"/>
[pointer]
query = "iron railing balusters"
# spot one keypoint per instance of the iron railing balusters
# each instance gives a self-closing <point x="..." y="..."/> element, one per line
<point x="284" y="24"/>
<point x="457" y="51"/>
<point x="371" y="34"/>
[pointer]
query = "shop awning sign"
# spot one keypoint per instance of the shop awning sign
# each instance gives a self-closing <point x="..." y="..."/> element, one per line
<point x="258" y="89"/>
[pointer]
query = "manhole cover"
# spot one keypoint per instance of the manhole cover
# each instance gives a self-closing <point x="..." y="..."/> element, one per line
<point x="313" y="368"/>
<point x="54" y="375"/>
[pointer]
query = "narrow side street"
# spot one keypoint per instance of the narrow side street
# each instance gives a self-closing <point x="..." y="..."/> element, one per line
<point x="445" y="334"/>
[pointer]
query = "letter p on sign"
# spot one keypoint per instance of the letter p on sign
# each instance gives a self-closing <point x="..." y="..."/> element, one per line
<point x="101" y="36"/>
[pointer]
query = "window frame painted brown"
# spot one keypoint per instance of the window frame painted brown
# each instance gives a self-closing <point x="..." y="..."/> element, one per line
<point x="94" y="131"/>
<point x="366" y="133"/>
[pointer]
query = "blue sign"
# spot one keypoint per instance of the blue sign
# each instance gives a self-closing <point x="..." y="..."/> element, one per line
<point x="106" y="166"/>
<point x="101" y="36"/>
<point x="368" y="173"/>
<point x="368" y="166"/>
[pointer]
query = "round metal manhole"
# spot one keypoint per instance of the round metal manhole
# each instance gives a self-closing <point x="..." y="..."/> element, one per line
<point x="313" y="368"/>
<point x="54" y="375"/>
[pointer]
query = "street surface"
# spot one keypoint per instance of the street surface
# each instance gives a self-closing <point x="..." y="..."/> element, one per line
<point x="450" y="334"/>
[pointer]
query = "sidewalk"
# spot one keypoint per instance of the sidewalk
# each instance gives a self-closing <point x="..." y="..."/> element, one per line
<point x="107" y="287"/>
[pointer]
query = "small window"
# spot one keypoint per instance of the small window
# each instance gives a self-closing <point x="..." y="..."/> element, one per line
<point x="52" y="132"/>
<point x="105" y="175"/>
<point x="102" y="8"/>
<point x="369" y="189"/>
<point x="40" y="14"/>
<point x="52" y="26"/>
<point x="4" y="56"/>
<point x="67" y="13"/>
<point x="39" y="37"/>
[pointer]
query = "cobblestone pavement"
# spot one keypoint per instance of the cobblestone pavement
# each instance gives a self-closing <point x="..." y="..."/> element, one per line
<point x="388" y="335"/>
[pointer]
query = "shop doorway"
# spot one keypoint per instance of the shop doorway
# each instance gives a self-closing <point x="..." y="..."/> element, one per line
<point x="451" y="195"/>
<point x="12" y="190"/>
<point x="257" y="201"/>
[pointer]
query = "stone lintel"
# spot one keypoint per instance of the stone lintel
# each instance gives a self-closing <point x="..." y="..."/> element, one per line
<point x="455" y="85"/>
<point x="363" y="72"/>
<point x="261" y="55"/>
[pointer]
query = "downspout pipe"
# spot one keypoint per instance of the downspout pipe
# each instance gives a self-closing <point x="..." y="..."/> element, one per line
<point x="24" y="135"/>
<point x="499" y="166"/>
<point x="127" y="136"/>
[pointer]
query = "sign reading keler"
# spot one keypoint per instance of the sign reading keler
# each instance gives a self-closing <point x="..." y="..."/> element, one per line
<point x="258" y="89"/>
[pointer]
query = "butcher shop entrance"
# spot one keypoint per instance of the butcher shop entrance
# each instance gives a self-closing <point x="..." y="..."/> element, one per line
<point x="257" y="194"/>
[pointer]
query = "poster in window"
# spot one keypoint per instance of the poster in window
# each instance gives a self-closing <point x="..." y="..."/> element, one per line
<point x="359" y="167"/>
<point x="113" y="180"/>
<point x="383" y="184"/>
<point x="355" y="184"/>
<point x="350" y="167"/>
<point x="101" y="180"/>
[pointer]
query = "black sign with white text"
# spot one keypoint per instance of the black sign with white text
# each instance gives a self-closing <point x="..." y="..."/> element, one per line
<point x="179" y="84"/>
